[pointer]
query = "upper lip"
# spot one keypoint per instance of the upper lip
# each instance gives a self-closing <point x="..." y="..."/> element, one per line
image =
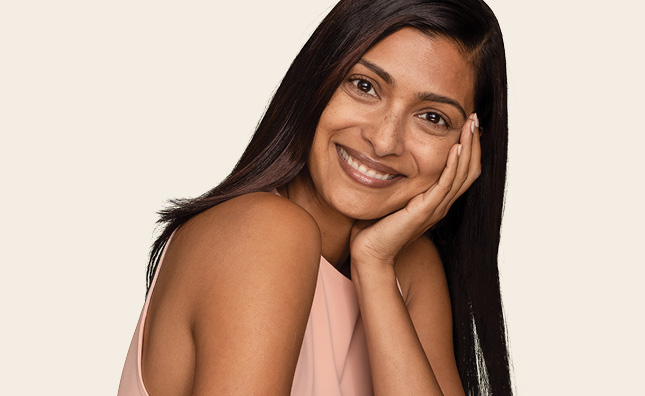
<point x="370" y="163"/>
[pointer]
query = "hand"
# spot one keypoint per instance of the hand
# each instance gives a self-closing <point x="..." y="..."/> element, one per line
<point x="382" y="240"/>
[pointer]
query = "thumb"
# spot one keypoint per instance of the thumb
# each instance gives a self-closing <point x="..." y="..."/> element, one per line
<point x="360" y="225"/>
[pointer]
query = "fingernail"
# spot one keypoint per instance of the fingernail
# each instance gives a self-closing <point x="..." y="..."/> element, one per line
<point x="459" y="151"/>
<point x="476" y="121"/>
<point x="472" y="126"/>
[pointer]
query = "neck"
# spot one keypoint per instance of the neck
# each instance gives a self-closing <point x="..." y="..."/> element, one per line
<point x="335" y="228"/>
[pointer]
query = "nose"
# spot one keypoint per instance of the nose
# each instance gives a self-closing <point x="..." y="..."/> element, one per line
<point x="386" y="133"/>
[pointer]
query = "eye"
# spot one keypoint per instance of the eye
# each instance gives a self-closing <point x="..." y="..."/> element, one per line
<point x="434" y="118"/>
<point x="364" y="86"/>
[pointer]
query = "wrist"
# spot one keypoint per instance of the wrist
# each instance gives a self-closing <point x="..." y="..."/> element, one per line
<point x="376" y="272"/>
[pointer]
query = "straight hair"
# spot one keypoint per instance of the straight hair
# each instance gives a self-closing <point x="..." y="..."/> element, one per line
<point x="468" y="237"/>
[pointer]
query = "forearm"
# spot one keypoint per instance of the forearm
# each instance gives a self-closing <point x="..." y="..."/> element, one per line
<point x="398" y="362"/>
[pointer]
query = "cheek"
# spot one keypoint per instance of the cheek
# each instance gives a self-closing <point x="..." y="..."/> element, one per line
<point x="340" y="114"/>
<point x="431" y="160"/>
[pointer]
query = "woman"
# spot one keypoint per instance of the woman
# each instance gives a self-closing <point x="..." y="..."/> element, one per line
<point x="368" y="165"/>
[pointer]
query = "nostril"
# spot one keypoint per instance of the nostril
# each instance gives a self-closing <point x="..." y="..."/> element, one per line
<point x="385" y="133"/>
<point x="387" y="141"/>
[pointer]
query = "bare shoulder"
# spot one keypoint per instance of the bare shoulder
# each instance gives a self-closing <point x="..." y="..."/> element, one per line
<point x="419" y="268"/>
<point x="244" y="229"/>
<point x="243" y="276"/>
<point x="259" y="234"/>
<point x="251" y="219"/>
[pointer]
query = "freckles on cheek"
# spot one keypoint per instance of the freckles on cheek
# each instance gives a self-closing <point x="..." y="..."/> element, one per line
<point x="432" y="158"/>
<point x="435" y="151"/>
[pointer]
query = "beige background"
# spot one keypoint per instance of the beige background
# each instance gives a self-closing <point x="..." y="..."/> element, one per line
<point x="109" y="108"/>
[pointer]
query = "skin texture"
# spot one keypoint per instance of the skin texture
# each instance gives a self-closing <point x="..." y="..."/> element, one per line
<point x="232" y="300"/>
<point x="387" y="120"/>
<point x="230" y="307"/>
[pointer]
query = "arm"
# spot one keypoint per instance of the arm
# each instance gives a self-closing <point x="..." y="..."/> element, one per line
<point x="398" y="361"/>
<point x="410" y="347"/>
<point x="425" y="290"/>
<point x="257" y="261"/>
<point x="410" y="336"/>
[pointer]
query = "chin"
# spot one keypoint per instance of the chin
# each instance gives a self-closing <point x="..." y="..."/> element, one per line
<point x="365" y="209"/>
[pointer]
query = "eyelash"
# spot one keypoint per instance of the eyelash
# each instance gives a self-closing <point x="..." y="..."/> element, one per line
<point x="356" y="80"/>
<point x="441" y="119"/>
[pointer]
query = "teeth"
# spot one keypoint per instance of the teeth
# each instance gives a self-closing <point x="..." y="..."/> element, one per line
<point x="383" y="177"/>
<point x="364" y="169"/>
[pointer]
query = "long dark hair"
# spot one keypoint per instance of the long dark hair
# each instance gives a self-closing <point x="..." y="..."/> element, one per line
<point x="468" y="237"/>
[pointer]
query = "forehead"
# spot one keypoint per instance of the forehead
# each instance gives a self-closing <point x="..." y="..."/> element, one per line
<point x="421" y="63"/>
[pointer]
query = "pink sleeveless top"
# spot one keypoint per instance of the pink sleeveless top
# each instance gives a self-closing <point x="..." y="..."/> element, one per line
<point x="333" y="359"/>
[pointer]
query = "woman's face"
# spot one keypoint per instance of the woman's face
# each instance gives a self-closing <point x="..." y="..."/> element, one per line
<point x="385" y="134"/>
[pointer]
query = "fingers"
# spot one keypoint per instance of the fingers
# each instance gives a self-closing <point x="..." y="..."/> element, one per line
<point x="474" y="169"/>
<point x="462" y="169"/>
<point x="466" y="140"/>
<point x="468" y="167"/>
<point x="441" y="189"/>
<point x="387" y="236"/>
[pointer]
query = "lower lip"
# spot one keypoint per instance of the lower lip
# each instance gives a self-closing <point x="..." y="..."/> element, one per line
<point x="360" y="178"/>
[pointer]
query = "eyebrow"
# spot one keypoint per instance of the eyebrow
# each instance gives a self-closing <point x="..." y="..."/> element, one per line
<point x="376" y="69"/>
<point x="433" y="97"/>
<point x="426" y="96"/>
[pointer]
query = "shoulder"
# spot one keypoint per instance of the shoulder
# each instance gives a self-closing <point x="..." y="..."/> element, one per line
<point x="254" y="214"/>
<point x="420" y="270"/>
<point x="242" y="277"/>
<point x="257" y="235"/>
<point x="257" y="222"/>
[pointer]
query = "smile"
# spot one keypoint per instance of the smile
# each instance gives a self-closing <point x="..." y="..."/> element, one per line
<point x="359" y="166"/>
<point x="364" y="170"/>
